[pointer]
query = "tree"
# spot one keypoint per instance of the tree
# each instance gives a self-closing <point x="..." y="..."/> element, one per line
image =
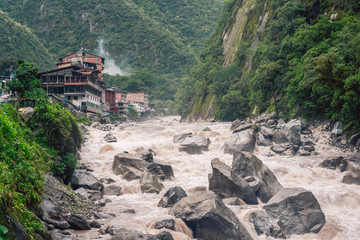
<point x="25" y="82"/>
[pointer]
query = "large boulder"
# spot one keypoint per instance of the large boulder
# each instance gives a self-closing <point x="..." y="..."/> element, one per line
<point x="110" y="138"/>
<point x="172" y="196"/>
<point x="242" y="127"/>
<point x="221" y="182"/>
<point x="129" y="165"/>
<point x="242" y="141"/>
<point x="298" y="210"/>
<point x="247" y="165"/>
<point x="52" y="214"/>
<point x="335" y="163"/>
<point x="78" y="223"/>
<point x="162" y="171"/>
<point x="150" y="184"/>
<point x="179" y="137"/>
<point x="294" y="125"/>
<point x="352" y="175"/>
<point x="263" y="224"/>
<point x="209" y="218"/>
<point x="236" y="124"/>
<point x="279" y="136"/>
<point x="194" y="144"/>
<point x="337" y="129"/>
<point x="113" y="189"/>
<point x="84" y="179"/>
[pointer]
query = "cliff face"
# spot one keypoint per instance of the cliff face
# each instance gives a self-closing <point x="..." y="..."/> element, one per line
<point x="270" y="55"/>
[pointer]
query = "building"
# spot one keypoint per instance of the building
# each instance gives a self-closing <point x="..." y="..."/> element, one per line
<point x="122" y="103"/>
<point x="139" y="100"/>
<point x="77" y="79"/>
<point x="110" y="94"/>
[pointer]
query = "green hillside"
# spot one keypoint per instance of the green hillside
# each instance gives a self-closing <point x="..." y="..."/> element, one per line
<point x="159" y="35"/>
<point x="296" y="58"/>
<point x="18" y="41"/>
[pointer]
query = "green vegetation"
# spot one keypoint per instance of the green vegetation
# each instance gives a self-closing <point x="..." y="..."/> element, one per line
<point x="304" y="63"/>
<point x="18" y="41"/>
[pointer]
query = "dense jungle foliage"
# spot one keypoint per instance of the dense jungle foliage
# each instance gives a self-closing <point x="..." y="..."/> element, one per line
<point x="47" y="141"/>
<point x="18" y="41"/>
<point x="305" y="63"/>
<point x="159" y="35"/>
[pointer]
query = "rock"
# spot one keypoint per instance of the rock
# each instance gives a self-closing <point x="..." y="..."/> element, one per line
<point x="162" y="171"/>
<point x="267" y="132"/>
<point x="306" y="131"/>
<point x="294" y="136"/>
<point x="309" y="148"/>
<point x="172" y="196"/>
<point x="194" y="144"/>
<point x="114" y="190"/>
<point x="165" y="236"/>
<point x="242" y="141"/>
<point x="236" y="124"/>
<point x="179" y="137"/>
<point x="294" y="125"/>
<point x="26" y="113"/>
<point x="264" y="225"/>
<point x="84" y="179"/>
<point x="207" y="129"/>
<point x="304" y="153"/>
<point x="150" y="184"/>
<point x="101" y="215"/>
<point x="354" y="139"/>
<point x="209" y="218"/>
<point x="294" y="149"/>
<point x="234" y="201"/>
<point x="242" y="127"/>
<point x="262" y="141"/>
<point x="337" y="129"/>
<point x="110" y="138"/>
<point x="352" y="175"/>
<point x="95" y="224"/>
<point x="126" y="234"/>
<point x="95" y="125"/>
<point x="167" y="223"/>
<point x="130" y="211"/>
<point x="223" y="184"/>
<point x="128" y="160"/>
<point x="78" y="223"/>
<point x="245" y="164"/>
<point x="278" y="148"/>
<point x="335" y="163"/>
<point x="279" y="137"/>
<point x="82" y="192"/>
<point x="297" y="209"/>
<point x="52" y="214"/>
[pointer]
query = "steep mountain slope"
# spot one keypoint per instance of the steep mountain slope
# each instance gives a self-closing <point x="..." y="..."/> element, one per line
<point x="136" y="33"/>
<point x="293" y="57"/>
<point x="18" y="41"/>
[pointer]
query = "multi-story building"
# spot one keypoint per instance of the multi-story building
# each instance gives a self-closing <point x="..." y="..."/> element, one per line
<point x="77" y="79"/>
<point x="110" y="94"/>
<point x="122" y="103"/>
<point x="139" y="100"/>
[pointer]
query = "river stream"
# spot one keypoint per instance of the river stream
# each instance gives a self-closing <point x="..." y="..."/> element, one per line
<point x="339" y="202"/>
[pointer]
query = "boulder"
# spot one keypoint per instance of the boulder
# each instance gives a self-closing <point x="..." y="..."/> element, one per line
<point x="114" y="190"/>
<point x="337" y="129"/>
<point x="95" y="224"/>
<point x="304" y="153"/>
<point x="150" y="184"/>
<point x="309" y="148"/>
<point x="242" y="141"/>
<point x="165" y="236"/>
<point x="236" y="124"/>
<point x="352" y="175"/>
<point x="194" y="144"/>
<point x="26" y="113"/>
<point x="278" y="148"/>
<point x="172" y="196"/>
<point x="78" y="223"/>
<point x="179" y="137"/>
<point x="126" y="234"/>
<point x="335" y="163"/>
<point x="293" y="125"/>
<point x="242" y="127"/>
<point x="167" y="223"/>
<point x="293" y="136"/>
<point x="354" y="139"/>
<point x="207" y="129"/>
<point x="262" y="141"/>
<point x="162" y="171"/>
<point x="52" y="214"/>
<point x="267" y="132"/>
<point x="297" y="209"/>
<point x="234" y="201"/>
<point x="209" y="218"/>
<point x="84" y="179"/>
<point x="245" y="165"/>
<point x="128" y="160"/>
<point x="263" y="224"/>
<point x="110" y="138"/>
<point x="279" y="136"/>
<point x="222" y="183"/>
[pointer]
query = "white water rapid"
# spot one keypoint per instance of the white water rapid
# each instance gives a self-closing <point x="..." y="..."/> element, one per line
<point x="339" y="202"/>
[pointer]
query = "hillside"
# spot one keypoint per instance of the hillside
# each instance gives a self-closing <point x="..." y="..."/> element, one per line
<point x="159" y="35"/>
<point x="296" y="58"/>
<point x="18" y="41"/>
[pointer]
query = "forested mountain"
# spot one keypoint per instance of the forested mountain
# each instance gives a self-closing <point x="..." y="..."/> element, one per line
<point x="18" y="41"/>
<point x="159" y="35"/>
<point x="298" y="58"/>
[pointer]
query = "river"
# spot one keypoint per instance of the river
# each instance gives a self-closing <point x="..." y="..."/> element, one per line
<point x="339" y="202"/>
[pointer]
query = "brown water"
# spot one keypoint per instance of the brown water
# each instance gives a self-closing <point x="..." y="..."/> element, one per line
<point x="340" y="202"/>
